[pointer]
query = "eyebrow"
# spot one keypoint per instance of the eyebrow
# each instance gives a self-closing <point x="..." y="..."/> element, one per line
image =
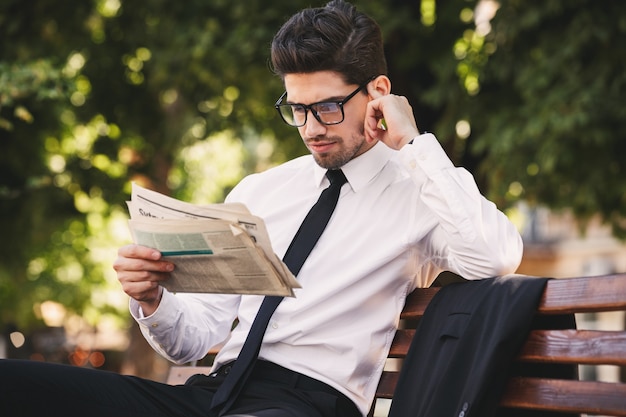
<point x="326" y="100"/>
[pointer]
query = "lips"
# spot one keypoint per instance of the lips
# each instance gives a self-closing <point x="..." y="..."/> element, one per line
<point x="321" y="147"/>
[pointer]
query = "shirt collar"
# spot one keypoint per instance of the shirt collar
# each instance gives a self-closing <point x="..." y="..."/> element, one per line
<point x="360" y="170"/>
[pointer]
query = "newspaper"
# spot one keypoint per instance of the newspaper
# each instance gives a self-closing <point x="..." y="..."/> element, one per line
<point x="217" y="248"/>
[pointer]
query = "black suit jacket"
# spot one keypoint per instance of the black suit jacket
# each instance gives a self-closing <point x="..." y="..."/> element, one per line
<point x="462" y="352"/>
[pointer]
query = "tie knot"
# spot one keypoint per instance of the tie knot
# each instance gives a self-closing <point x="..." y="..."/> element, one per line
<point x="336" y="177"/>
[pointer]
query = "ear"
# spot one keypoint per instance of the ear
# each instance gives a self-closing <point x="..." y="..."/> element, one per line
<point x="379" y="86"/>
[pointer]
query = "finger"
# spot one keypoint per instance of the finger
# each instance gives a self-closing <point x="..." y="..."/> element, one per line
<point x="140" y="272"/>
<point x="136" y="257"/>
<point x="141" y="278"/>
<point x="146" y="291"/>
<point x="122" y="264"/>
<point x="138" y="251"/>
<point x="373" y="115"/>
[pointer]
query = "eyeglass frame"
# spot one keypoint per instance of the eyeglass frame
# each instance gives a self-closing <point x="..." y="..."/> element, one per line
<point x="309" y="107"/>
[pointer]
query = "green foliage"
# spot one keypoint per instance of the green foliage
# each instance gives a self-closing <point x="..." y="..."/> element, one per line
<point x="38" y="79"/>
<point x="97" y="94"/>
<point x="549" y="118"/>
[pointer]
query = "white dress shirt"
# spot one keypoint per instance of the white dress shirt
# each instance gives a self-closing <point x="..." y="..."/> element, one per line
<point x="404" y="217"/>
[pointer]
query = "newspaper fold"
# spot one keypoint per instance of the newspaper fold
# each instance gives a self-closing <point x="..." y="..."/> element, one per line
<point x="217" y="248"/>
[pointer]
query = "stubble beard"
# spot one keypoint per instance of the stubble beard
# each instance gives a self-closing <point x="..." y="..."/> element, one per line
<point x="338" y="159"/>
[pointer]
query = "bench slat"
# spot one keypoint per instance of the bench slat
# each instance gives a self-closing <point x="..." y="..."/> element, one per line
<point x="589" y="347"/>
<point x="561" y="296"/>
<point x="417" y="301"/>
<point x="387" y="384"/>
<point x="546" y="394"/>
<point x="598" y="398"/>
<point x="401" y="343"/>
<point x="580" y="295"/>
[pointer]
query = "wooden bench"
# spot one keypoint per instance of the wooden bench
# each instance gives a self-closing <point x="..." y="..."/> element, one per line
<point x="549" y="346"/>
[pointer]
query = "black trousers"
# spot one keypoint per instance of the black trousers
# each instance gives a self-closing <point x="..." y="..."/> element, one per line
<point x="30" y="388"/>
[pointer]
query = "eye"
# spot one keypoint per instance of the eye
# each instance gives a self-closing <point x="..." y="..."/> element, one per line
<point x="298" y="109"/>
<point x="328" y="107"/>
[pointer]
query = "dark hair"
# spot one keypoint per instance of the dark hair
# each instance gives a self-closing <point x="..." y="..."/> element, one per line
<point x="336" y="37"/>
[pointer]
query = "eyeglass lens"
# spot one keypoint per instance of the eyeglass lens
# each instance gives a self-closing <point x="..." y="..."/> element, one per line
<point x="328" y="113"/>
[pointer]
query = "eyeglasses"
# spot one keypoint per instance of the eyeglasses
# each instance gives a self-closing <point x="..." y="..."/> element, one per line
<point x="326" y="112"/>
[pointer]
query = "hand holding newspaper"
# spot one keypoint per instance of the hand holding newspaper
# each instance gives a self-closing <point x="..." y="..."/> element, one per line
<point x="217" y="248"/>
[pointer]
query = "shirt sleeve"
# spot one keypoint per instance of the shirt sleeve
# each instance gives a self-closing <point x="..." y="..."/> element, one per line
<point x="186" y="326"/>
<point x="472" y="237"/>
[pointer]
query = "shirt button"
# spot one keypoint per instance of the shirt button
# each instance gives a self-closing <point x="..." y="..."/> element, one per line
<point x="154" y="325"/>
<point x="274" y="325"/>
<point x="412" y="163"/>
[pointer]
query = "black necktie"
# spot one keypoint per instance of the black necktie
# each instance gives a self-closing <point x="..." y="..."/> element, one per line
<point x="303" y="242"/>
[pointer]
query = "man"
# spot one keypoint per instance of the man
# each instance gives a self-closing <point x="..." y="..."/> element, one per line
<point x="404" y="215"/>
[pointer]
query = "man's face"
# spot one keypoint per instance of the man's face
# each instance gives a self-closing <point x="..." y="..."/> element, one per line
<point x="332" y="146"/>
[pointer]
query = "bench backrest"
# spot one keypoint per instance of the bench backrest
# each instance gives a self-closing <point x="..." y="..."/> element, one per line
<point x="550" y="346"/>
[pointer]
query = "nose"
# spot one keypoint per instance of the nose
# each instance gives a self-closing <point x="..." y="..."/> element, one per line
<point x="313" y="127"/>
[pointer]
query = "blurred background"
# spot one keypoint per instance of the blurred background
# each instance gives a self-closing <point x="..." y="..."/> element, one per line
<point x="178" y="96"/>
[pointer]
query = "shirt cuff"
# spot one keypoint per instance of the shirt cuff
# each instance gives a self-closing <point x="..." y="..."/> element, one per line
<point x="162" y="315"/>
<point x="425" y="154"/>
